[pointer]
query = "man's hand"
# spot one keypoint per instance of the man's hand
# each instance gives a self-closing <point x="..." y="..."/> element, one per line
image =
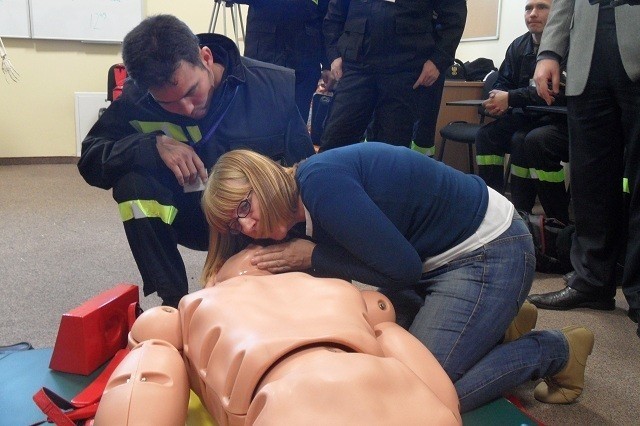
<point x="547" y="78"/>
<point x="294" y="255"/>
<point x="498" y="102"/>
<point x="428" y="76"/>
<point x="181" y="159"/>
<point x="336" y="69"/>
<point x="328" y="81"/>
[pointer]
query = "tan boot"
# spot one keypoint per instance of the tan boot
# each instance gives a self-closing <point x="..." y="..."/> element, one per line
<point x="566" y="386"/>
<point x="524" y="322"/>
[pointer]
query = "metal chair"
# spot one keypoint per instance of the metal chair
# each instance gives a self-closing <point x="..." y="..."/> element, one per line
<point x="465" y="132"/>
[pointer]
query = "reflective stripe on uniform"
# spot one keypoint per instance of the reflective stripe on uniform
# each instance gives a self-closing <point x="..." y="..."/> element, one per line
<point x="490" y="160"/>
<point x="140" y="209"/>
<point x="426" y="151"/>
<point x="521" y="172"/>
<point x="172" y="130"/>
<point x="553" y="177"/>
<point x="625" y="186"/>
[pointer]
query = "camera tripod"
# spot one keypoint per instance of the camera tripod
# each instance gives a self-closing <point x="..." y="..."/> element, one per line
<point x="236" y="18"/>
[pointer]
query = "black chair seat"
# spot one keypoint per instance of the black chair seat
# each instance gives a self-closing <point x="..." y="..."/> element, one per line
<point x="460" y="131"/>
<point x="465" y="132"/>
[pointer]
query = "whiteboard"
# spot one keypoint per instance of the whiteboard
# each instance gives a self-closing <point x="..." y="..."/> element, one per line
<point x="105" y="21"/>
<point x="14" y="18"/>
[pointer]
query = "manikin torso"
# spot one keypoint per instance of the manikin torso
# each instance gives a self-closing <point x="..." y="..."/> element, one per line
<point x="285" y="349"/>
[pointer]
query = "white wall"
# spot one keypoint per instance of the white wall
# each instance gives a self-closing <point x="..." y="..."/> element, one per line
<point x="37" y="114"/>
<point x="511" y="26"/>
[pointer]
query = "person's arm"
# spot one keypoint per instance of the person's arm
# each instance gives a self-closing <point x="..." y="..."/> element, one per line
<point x="369" y="248"/>
<point x="554" y="47"/>
<point x="112" y="147"/>
<point x="449" y="26"/>
<point x="333" y="27"/>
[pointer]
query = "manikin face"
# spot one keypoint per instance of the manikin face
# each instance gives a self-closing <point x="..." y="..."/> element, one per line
<point x="191" y="94"/>
<point x="536" y="13"/>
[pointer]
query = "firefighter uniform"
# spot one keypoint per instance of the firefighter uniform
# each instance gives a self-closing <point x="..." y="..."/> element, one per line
<point x="253" y="108"/>
<point x="383" y="46"/>
<point x="537" y="142"/>
<point x="289" y="33"/>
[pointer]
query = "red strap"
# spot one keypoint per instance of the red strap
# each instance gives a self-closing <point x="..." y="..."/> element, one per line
<point x="50" y="403"/>
<point x="92" y="393"/>
<point x="84" y="405"/>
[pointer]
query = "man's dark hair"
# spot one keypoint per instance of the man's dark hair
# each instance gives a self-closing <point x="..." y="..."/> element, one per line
<point x="153" y="50"/>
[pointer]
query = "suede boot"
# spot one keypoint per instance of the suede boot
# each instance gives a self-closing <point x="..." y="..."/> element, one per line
<point x="566" y="386"/>
<point x="524" y="322"/>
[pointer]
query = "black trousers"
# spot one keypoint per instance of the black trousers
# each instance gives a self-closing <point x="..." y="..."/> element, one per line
<point x="387" y="99"/>
<point x="428" y="109"/>
<point x="154" y="234"/>
<point x="306" y="85"/>
<point x="537" y="144"/>
<point x="604" y="128"/>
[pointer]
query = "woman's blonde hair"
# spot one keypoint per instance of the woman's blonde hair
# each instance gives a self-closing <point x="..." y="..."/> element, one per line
<point x="232" y="177"/>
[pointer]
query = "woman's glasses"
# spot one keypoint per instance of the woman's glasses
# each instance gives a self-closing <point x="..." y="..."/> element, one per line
<point x="243" y="210"/>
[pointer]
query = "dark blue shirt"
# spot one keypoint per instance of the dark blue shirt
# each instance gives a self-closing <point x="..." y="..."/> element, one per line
<point x="378" y="211"/>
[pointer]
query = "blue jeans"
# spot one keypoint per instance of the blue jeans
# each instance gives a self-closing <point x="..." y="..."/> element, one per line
<point x="461" y="311"/>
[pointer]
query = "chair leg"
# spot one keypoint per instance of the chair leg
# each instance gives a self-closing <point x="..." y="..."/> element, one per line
<point x="441" y="153"/>
<point x="507" y="176"/>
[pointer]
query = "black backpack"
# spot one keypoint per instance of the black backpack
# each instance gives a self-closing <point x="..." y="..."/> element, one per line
<point x="478" y="69"/>
<point x="552" y="241"/>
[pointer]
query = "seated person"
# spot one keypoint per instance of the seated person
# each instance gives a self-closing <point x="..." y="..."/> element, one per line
<point x="538" y="142"/>
<point x="279" y="349"/>
<point x="453" y="256"/>
<point x="189" y="99"/>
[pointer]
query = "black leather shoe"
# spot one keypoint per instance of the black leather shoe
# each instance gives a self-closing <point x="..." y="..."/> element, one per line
<point x="568" y="298"/>
<point x="566" y="277"/>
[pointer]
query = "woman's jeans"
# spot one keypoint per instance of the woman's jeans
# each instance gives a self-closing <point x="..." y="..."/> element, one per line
<point x="461" y="311"/>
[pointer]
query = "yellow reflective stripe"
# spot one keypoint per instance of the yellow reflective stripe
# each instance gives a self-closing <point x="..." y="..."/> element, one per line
<point x="553" y="177"/>
<point x="172" y="130"/>
<point x="194" y="132"/>
<point x="625" y="186"/>
<point x="315" y="1"/>
<point x="521" y="172"/>
<point x="426" y="151"/>
<point x="490" y="160"/>
<point x="140" y="209"/>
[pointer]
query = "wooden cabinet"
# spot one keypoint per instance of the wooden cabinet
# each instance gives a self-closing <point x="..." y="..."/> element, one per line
<point x="457" y="90"/>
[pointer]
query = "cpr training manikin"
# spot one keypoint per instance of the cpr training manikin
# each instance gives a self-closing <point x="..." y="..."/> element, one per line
<point x="277" y="349"/>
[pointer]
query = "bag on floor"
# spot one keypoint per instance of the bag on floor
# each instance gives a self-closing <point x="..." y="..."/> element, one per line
<point x="552" y="241"/>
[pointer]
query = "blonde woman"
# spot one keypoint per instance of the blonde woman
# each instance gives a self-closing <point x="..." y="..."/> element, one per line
<point x="453" y="256"/>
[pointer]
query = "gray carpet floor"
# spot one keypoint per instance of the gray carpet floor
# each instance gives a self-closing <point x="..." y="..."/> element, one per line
<point x="62" y="242"/>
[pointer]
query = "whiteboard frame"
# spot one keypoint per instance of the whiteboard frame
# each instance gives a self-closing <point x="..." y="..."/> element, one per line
<point x="493" y="36"/>
<point x="40" y="34"/>
<point x="19" y="24"/>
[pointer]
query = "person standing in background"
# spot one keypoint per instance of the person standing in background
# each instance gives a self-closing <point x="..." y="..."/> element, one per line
<point x="289" y="33"/>
<point x="601" y="45"/>
<point x="381" y="51"/>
